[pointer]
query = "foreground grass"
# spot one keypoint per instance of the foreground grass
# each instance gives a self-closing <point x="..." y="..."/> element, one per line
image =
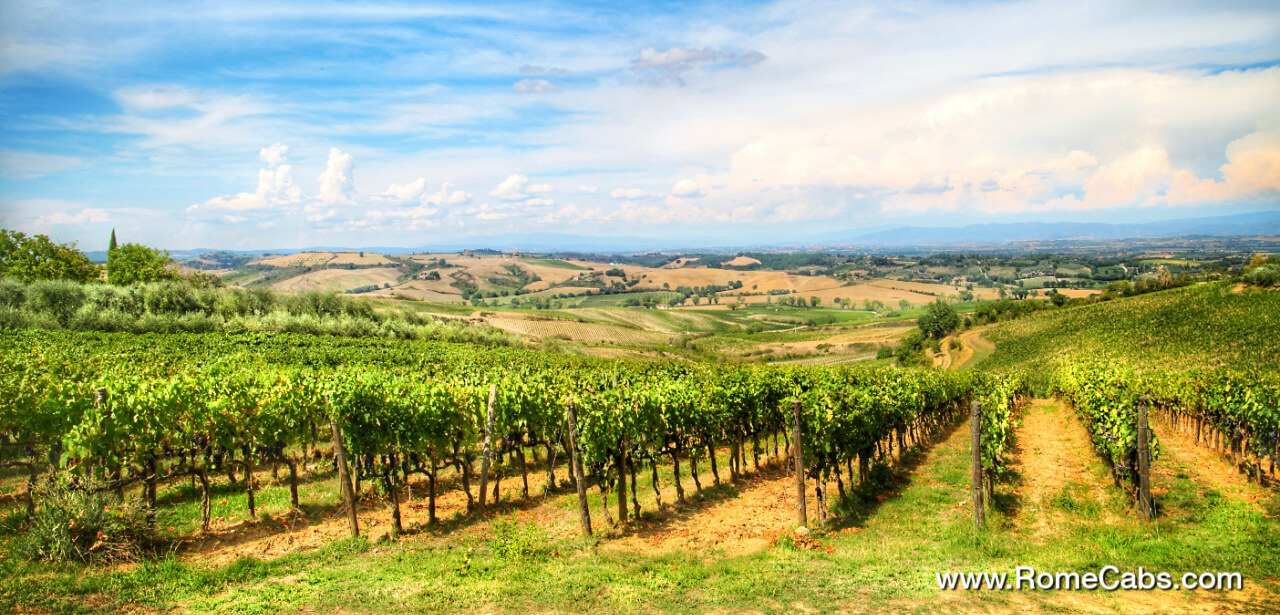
<point x="880" y="553"/>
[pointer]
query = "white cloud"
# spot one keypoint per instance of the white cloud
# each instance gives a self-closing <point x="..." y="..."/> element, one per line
<point x="686" y="188"/>
<point x="533" y="86"/>
<point x="517" y="188"/>
<point x="629" y="193"/>
<point x="674" y="57"/>
<point x="153" y="97"/>
<point x="968" y="108"/>
<point x="415" y="192"/>
<point x="511" y="189"/>
<point x="1146" y="177"/>
<point x="531" y="69"/>
<point x="448" y="196"/>
<point x="336" y="182"/>
<point x="84" y="216"/>
<point x="275" y="186"/>
<point x="407" y="193"/>
<point x="274" y="155"/>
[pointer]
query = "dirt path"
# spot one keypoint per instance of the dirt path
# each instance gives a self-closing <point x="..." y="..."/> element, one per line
<point x="943" y="360"/>
<point x="747" y="522"/>
<point x="973" y="344"/>
<point x="1051" y="459"/>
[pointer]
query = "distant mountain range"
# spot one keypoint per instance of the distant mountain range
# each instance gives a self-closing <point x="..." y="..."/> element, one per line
<point x="1252" y="224"/>
<point x="1262" y="223"/>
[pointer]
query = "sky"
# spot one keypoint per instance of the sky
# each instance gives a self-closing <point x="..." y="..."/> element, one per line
<point x="259" y="125"/>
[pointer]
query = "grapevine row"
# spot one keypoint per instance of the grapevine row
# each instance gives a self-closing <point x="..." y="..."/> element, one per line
<point x="183" y="405"/>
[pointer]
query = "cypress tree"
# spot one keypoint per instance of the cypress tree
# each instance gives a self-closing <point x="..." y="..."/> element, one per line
<point x="111" y="247"/>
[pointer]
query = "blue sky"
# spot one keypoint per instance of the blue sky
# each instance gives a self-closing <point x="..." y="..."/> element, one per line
<point x="276" y="125"/>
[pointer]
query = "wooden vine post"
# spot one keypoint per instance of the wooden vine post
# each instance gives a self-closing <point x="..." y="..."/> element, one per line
<point x="1145" y="504"/>
<point x="802" y="516"/>
<point x="344" y="478"/>
<point x="488" y="445"/>
<point x="575" y="461"/>
<point x="975" y="433"/>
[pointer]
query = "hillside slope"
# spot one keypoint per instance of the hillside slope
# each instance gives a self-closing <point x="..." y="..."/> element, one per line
<point x="1206" y="325"/>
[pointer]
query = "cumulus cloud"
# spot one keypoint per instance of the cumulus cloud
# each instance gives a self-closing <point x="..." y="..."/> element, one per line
<point x="629" y="193"/>
<point x="274" y="155"/>
<point x="686" y="188"/>
<point x="517" y="188"/>
<point x="275" y="186"/>
<point x="1145" y="177"/>
<point x="533" y="86"/>
<point x="511" y="188"/>
<point x="416" y="192"/>
<point x="448" y="195"/>
<point x="407" y="193"/>
<point x="588" y="189"/>
<point x="337" y="185"/>
<point x="84" y="216"/>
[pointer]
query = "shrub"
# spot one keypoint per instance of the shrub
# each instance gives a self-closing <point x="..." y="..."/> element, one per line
<point x="199" y="322"/>
<point x="82" y="522"/>
<point x="1264" y="276"/>
<point x="125" y="299"/>
<point x="156" y="323"/>
<point x="260" y="301"/>
<point x="13" y="318"/>
<point x="57" y="298"/>
<point x="231" y="303"/>
<point x="12" y="293"/>
<point x="93" y="318"/>
<point x="169" y="298"/>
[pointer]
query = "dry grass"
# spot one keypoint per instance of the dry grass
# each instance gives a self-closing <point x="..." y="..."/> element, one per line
<point x="302" y="259"/>
<point x="338" y="279"/>
<point x="572" y="331"/>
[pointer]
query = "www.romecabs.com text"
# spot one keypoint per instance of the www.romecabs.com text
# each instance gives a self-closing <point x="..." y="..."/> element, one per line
<point x="1109" y="578"/>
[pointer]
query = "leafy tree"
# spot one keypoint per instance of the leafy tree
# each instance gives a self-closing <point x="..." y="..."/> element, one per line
<point x="910" y="351"/>
<point x="814" y="301"/>
<point x="1058" y="299"/>
<point x="939" y="320"/>
<point x="133" y="263"/>
<point x="38" y="258"/>
<point x="1259" y="260"/>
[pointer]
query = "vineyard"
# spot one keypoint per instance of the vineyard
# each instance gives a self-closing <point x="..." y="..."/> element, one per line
<point x="1208" y="325"/>
<point x="137" y="412"/>
<point x="1238" y="412"/>
<point x="467" y="458"/>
